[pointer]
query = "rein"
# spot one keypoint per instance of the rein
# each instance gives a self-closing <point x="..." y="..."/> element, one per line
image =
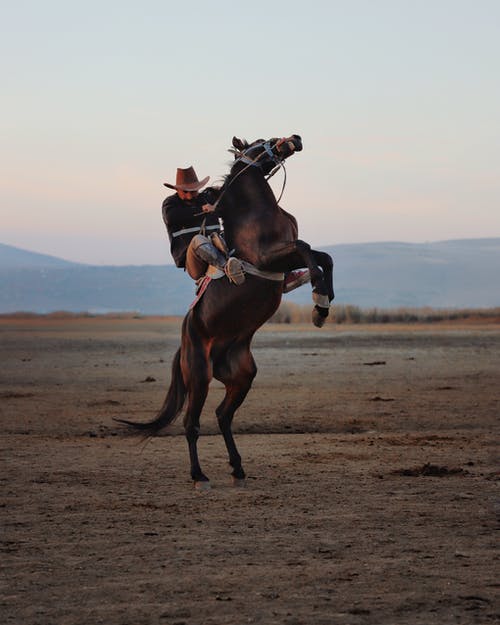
<point x="281" y="165"/>
<point x="252" y="163"/>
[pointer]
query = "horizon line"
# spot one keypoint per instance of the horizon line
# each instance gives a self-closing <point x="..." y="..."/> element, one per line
<point x="319" y="247"/>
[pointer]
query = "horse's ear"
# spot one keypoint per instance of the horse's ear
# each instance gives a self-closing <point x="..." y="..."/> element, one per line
<point x="238" y="144"/>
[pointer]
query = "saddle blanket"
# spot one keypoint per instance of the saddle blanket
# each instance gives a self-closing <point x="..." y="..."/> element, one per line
<point x="201" y="288"/>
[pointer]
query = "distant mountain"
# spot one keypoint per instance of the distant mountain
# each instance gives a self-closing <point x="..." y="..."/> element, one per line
<point x="445" y="274"/>
<point x="145" y="289"/>
<point x="15" y="257"/>
<point x="459" y="273"/>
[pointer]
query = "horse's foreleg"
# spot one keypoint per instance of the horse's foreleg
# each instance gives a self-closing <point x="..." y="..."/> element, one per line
<point x="237" y="371"/>
<point x="325" y="261"/>
<point x="322" y="283"/>
<point x="293" y="255"/>
<point x="322" y="302"/>
<point x="285" y="256"/>
<point x="196" y="371"/>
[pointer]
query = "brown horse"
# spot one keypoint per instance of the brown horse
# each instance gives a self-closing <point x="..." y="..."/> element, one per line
<point x="217" y="332"/>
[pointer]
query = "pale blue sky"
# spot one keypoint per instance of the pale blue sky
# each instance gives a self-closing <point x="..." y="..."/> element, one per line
<point x="397" y="102"/>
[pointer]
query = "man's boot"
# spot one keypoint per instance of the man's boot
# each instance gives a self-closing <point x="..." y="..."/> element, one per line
<point x="206" y="251"/>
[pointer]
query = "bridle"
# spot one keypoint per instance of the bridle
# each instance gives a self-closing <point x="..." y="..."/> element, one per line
<point x="241" y="156"/>
<point x="279" y="163"/>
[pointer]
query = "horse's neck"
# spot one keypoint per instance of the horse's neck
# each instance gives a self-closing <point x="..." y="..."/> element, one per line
<point x="253" y="221"/>
<point x="248" y="197"/>
<point x="254" y="193"/>
<point x="257" y="199"/>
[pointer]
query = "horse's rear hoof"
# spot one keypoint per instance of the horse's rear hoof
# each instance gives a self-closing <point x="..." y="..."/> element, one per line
<point x="202" y="486"/>
<point x="239" y="482"/>
<point x="319" y="316"/>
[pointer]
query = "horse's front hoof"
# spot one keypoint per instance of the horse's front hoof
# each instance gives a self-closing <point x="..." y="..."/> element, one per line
<point x="239" y="482"/>
<point x="319" y="315"/>
<point x="202" y="486"/>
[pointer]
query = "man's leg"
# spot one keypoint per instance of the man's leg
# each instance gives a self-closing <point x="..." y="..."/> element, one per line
<point x="195" y="265"/>
<point x="201" y="253"/>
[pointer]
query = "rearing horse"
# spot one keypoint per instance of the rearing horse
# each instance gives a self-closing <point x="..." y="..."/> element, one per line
<point x="218" y="330"/>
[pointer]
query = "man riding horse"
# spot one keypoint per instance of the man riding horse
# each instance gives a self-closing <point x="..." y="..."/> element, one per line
<point x="217" y="332"/>
<point x="189" y="217"/>
<point x="194" y="231"/>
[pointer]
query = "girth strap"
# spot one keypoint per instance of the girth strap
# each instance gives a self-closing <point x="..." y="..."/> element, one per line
<point x="268" y="275"/>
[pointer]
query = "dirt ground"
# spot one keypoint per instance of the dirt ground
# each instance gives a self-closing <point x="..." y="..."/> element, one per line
<point x="372" y="491"/>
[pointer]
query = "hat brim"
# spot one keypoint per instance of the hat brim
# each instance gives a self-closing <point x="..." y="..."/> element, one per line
<point x="194" y="186"/>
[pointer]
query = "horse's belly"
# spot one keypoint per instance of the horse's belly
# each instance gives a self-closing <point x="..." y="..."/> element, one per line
<point x="227" y="310"/>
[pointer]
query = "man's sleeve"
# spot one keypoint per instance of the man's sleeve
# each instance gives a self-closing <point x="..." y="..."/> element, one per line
<point x="171" y="214"/>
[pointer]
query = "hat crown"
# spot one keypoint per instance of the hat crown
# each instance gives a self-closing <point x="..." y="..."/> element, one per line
<point x="186" y="177"/>
<point x="187" y="180"/>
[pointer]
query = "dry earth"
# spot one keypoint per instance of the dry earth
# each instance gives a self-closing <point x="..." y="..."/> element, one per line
<point x="371" y="492"/>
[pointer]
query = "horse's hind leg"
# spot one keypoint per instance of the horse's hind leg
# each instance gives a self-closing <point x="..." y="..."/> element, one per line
<point x="196" y="371"/>
<point x="236" y="369"/>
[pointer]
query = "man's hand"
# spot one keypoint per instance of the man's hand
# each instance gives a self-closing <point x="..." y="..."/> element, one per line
<point x="208" y="208"/>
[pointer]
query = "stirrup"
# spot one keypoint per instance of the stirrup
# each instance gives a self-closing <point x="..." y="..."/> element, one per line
<point x="234" y="271"/>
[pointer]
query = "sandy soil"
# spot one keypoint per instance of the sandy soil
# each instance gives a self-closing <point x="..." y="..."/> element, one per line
<point x="371" y="496"/>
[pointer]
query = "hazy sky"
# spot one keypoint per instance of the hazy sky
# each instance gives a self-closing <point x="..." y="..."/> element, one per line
<point x="397" y="102"/>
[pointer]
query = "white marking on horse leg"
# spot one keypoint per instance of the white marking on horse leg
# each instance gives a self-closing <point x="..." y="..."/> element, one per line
<point x="321" y="300"/>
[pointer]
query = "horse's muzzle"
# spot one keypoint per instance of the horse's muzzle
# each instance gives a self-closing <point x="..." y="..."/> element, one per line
<point x="290" y="145"/>
<point x="297" y="141"/>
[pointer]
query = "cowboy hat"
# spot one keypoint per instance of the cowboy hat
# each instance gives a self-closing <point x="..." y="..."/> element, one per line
<point x="187" y="180"/>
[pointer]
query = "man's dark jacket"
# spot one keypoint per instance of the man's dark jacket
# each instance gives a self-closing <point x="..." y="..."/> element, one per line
<point x="183" y="221"/>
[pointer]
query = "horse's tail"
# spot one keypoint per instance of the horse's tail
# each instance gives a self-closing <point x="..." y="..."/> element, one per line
<point x="172" y="406"/>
